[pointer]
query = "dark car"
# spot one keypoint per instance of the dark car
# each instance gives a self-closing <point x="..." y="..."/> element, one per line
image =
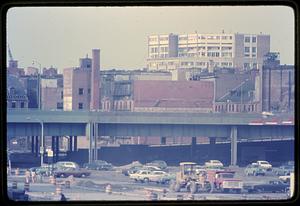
<point x="98" y="165"/>
<point x="158" y="163"/>
<point x="272" y="186"/>
<point x="283" y="170"/>
<point x="71" y="171"/>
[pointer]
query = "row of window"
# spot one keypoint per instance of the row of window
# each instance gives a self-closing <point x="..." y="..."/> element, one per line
<point x="81" y="91"/>
<point x="235" y="108"/>
<point x="249" y="39"/>
<point x="203" y="54"/>
<point x="194" y="38"/>
<point x="250" y="66"/>
<point x="247" y="49"/>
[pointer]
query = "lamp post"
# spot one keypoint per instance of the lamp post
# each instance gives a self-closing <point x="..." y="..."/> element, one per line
<point x="39" y="83"/>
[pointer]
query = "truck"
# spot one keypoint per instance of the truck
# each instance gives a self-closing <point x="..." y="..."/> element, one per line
<point x="224" y="181"/>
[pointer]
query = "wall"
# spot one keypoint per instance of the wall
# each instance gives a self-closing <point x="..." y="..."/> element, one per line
<point x="276" y="152"/>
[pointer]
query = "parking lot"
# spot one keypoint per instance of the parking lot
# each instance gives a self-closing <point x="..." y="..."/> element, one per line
<point x="95" y="187"/>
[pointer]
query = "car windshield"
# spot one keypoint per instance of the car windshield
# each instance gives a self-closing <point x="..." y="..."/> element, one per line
<point x="227" y="175"/>
<point x="264" y="163"/>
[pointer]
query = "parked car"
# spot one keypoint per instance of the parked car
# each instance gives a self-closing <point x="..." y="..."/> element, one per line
<point x="272" y="186"/>
<point x="44" y="170"/>
<point x="78" y="172"/>
<point x="285" y="178"/>
<point x="150" y="167"/>
<point x="158" y="176"/>
<point x="264" y="164"/>
<point x="254" y="169"/>
<point x="283" y="170"/>
<point x="141" y="175"/>
<point x="158" y="163"/>
<point x="66" y="164"/>
<point x="214" y="163"/>
<point x="131" y="170"/>
<point x="98" y="165"/>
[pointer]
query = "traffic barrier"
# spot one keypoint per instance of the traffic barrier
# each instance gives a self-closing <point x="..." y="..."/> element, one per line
<point x="26" y="186"/>
<point x="108" y="189"/>
<point x="152" y="196"/>
<point x="17" y="172"/>
<point x="14" y="185"/>
<point x="58" y="190"/>
<point x="67" y="184"/>
<point x="190" y="197"/>
<point x="179" y="197"/>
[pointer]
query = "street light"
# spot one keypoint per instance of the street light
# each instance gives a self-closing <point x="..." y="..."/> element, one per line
<point x="39" y="83"/>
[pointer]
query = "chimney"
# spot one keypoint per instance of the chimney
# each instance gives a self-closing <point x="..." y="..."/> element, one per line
<point x="95" y="75"/>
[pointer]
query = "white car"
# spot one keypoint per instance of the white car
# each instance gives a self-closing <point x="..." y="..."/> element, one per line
<point x="214" y="163"/>
<point x="66" y="164"/>
<point x="264" y="164"/>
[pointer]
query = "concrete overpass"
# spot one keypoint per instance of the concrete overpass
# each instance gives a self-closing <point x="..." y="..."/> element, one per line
<point x="28" y="122"/>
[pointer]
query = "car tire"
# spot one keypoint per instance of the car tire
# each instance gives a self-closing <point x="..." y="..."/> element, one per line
<point x="62" y="175"/>
<point x="146" y="180"/>
<point x="83" y="175"/>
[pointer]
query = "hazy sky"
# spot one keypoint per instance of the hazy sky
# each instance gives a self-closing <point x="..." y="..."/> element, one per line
<point x="60" y="36"/>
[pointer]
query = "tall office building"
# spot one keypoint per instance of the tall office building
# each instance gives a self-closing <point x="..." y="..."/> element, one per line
<point x="195" y="50"/>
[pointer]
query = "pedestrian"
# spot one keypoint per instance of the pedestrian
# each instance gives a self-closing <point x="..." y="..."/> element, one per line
<point x="27" y="176"/>
<point x="63" y="197"/>
<point x="33" y="176"/>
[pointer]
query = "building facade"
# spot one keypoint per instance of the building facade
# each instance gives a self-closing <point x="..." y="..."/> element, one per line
<point x="205" y="51"/>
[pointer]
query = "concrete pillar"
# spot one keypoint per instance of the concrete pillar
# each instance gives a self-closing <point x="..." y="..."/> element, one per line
<point x="56" y="148"/>
<point x="75" y="143"/>
<point x="95" y="141"/>
<point x="71" y="143"/>
<point x="233" y="138"/>
<point x="89" y="134"/>
<point x="32" y="144"/>
<point x="36" y="146"/>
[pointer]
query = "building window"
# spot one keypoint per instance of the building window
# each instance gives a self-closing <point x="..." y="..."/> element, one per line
<point x="61" y="94"/>
<point x="254" y="39"/>
<point x="163" y="140"/>
<point x="80" y="105"/>
<point x="89" y="91"/>
<point x="59" y="105"/>
<point x="80" y="91"/>
<point x="22" y="105"/>
<point x="13" y="105"/>
<point x="253" y="49"/>
<point x="247" y="39"/>
<point x="247" y="49"/>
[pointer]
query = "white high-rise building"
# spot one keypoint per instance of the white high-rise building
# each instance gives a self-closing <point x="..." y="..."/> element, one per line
<point x="195" y="50"/>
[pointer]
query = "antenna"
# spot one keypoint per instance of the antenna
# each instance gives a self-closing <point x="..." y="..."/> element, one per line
<point x="10" y="55"/>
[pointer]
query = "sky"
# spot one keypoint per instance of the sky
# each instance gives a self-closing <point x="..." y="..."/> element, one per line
<point x="59" y="36"/>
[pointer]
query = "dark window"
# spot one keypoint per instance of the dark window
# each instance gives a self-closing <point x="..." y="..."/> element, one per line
<point x="80" y="91"/>
<point x="88" y="66"/>
<point x="13" y="105"/>
<point x="254" y="49"/>
<point x="253" y="39"/>
<point x="22" y="105"/>
<point x="89" y="91"/>
<point x="80" y="105"/>
<point x="247" y="39"/>
<point x="247" y="49"/>
<point x="62" y="95"/>
<point x="59" y="105"/>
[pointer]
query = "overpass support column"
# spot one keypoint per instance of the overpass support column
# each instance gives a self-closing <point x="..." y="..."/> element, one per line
<point x="36" y="146"/>
<point x="75" y="143"/>
<point x="90" y="135"/>
<point x="56" y="148"/>
<point x="32" y="144"/>
<point x="71" y="143"/>
<point x="95" y="141"/>
<point x="233" y="138"/>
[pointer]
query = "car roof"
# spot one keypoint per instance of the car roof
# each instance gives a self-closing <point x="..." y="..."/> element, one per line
<point x="187" y="163"/>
